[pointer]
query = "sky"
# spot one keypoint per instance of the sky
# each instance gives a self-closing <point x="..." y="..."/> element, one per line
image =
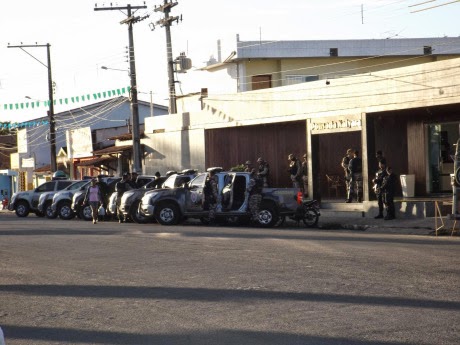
<point x="83" y="40"/>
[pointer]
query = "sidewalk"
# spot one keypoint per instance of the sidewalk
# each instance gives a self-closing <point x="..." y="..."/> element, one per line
<point x="406" y="226"/>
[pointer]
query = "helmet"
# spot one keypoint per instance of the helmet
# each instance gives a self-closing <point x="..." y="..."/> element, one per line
<point x="248" y="163"/>
<point x="259" y="160"/>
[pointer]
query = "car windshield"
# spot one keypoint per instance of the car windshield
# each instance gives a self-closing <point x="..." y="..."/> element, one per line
<point x="77" y="185"/>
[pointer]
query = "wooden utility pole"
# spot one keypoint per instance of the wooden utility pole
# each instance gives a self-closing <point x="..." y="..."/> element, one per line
<point x="166" y="22"/>
<point x="52" y="136"/>
<point x="130" y="20"/>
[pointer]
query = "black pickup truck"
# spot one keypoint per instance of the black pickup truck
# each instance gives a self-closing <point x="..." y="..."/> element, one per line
<point x="171" y="206"/>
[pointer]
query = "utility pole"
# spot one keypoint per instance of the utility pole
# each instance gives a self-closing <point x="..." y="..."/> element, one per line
<point x="166" y="22"/>
<point x="52" y="137"/>
<point x="130" y="20"/>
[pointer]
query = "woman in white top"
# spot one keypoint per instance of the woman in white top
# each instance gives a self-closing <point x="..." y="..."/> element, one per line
<point x="93" y="196"/>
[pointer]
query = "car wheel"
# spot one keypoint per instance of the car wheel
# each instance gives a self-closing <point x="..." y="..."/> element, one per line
<point x="310" y="218"/>
<point x="65" y="211"/>
<point x="137" y="216"/>
<point x="267" y="217"/>
<point x="167" y="214"/>
<point x="86" y="213"/>
<point x="22" y="209"/>
<point x="49" y="211"/>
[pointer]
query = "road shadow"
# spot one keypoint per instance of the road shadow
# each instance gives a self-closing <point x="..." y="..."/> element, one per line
<point x="219" y="336"/>
<point x="220" y="295"/>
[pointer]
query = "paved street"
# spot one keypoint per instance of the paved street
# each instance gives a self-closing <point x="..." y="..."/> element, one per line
<point x="72" y="282"/>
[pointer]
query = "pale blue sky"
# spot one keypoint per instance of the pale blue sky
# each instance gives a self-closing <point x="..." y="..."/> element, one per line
<point x="83" y="40"/>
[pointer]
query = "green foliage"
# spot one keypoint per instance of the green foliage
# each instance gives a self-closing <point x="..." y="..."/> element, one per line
<point x="239" y="167"/>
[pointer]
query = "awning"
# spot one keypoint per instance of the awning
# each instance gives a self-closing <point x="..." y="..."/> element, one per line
<point x="96" y="161"/>
<point x="113" y="149"/>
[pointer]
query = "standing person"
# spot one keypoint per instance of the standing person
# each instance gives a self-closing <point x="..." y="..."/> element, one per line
<point x="121" y="187"/>
<point x="305" y="175"/>
<point x="355" y="167"/>
<point x="344" y="164"/>
<point x="380" y="158"/>
<point x="104" y="190"/>
<point x="295" y="170"/>
<point x="133" y="183"/>
<point x="211" y="193"/>
<point x="248" y="166"/>
<point x="377" y="181"/>
<point x="93" y="196"/>
<point x="255" y="195"/>
<point x="388" y="188"/>
<point x="263" y="171"/>
<point x="158" y="180"/>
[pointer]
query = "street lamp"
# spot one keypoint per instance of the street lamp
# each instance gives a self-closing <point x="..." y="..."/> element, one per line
<point x="114" y="69"/>
<point x="51" y="99"/>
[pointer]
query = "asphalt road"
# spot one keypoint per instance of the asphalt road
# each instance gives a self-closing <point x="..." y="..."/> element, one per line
<point x="72" y="282"/>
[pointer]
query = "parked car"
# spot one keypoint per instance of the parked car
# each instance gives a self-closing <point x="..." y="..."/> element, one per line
<point x="170" y="206"/>
<point x="142" y="181"/>
<point x="130" y="201"/>
<point x="46" y="199"/>
<point x="61" y="205"/>
<point x="25" y="202"/>
<point x="84" y="211"/>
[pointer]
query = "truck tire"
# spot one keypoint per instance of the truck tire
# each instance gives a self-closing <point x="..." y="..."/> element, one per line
<point x="310" y="218"/>
<point x="167" y="214"/>
<point x="64" y="211"/>
<point x="137" y="216"/>
<point x="22" y="209"/>
<point x="49" y="211"/>
<point x="86" y="213"/>
<point x="268" y="216"/>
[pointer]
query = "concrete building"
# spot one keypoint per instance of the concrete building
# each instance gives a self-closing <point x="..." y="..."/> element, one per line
<point x="110" y="117"/>
<point x="406" y="104"/>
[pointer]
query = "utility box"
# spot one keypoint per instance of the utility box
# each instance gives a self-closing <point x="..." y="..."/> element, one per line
<point x="408" y="185"/>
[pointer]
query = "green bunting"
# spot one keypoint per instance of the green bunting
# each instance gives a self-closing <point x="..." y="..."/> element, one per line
<point x="74" y="99"/>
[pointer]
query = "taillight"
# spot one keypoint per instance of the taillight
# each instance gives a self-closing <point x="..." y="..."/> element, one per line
<point x="299" y="198"/>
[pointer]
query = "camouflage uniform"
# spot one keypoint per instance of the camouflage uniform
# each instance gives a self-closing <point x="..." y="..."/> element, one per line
<point x="255" y="196"/>
<point x="356" y="181"/>
<point x="263" y="171"/>
<point x="295" y="169"/>
<point x="210" y="196"/>
<point x="347" y="175"/>
<point x="305" y="176"/>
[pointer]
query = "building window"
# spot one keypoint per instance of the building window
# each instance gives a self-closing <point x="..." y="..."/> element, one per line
<point x="261" y="82"/>
<point x="427" y="50"/>
<point x="333" y="51"/>
<point x="297" y="79"/>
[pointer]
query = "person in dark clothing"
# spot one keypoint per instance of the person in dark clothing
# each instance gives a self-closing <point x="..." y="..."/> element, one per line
<point x="211" y="193"/>
<point x="380" y="158"/>
<point x="377" y="181"/>
<point x="133" y="180"/>
<point x="388" y="189"/>
<point x="104" y="188"/>
<point x="255" y="195"/>
<point x="263" y="171"/>
<point x="158" y="180"/>
<point x="305" y="175"/>
<point x="355" y="167"/>
<point x="344" y="164"/>
<point x="121" y="187"/>
<point x="295" y="171"/>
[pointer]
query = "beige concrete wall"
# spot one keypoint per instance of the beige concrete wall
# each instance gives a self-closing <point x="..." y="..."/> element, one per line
<point x="428" y="84"/>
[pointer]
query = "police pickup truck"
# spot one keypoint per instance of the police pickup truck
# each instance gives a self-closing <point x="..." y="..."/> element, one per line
<point x="24" y="202"/>
<point x="171" y="206"/>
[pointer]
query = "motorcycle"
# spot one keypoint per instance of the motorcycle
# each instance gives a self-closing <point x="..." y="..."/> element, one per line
<point x="307" y="212"/>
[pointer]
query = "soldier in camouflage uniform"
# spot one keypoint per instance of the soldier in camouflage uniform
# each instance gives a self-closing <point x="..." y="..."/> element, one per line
<point x="255" y="195"/>
<point x="263" y="171"/>
<point x="356" y="181"/>
<point x="344" y="164"/>
<point x="210" y="192"/>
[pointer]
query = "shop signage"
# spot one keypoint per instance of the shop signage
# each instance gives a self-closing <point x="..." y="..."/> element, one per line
<point x="335" y="125"/>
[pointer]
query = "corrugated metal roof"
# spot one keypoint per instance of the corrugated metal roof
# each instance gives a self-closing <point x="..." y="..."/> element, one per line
<point x="347" y="48"/>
